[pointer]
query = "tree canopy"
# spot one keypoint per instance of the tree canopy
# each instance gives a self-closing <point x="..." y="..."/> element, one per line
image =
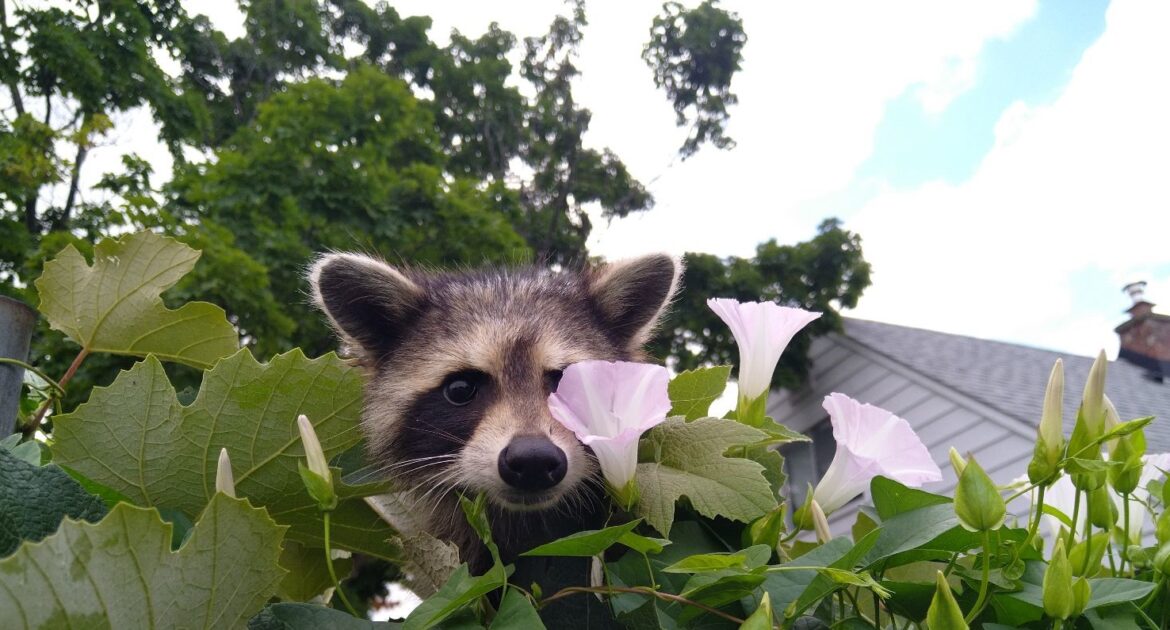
<point x="334" y="124"/>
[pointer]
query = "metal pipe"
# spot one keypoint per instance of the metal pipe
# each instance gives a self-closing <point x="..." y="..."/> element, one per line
<point x="17" y="321"/>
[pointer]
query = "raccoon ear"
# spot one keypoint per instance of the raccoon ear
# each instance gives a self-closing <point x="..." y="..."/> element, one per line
<point x="367" y="300"/>
<point x="631" y="295"/>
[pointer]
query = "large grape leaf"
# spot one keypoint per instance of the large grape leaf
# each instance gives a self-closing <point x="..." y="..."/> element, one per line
<point x="121" y="572"/>
<point x="34" y="500"/>
<point x="693" y="391"/>
<point x="115" y="306"/>
<point x="687" y="459"/>
<point x="136" y="438"/>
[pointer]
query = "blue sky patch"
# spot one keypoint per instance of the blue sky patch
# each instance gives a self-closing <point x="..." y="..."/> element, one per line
<point x="912" y="146"/>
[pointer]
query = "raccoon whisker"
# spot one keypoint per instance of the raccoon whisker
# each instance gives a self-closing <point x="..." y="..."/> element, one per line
<point x="430" y="461"/>
<point x="441" y="433"/>
<point x="443" y="480"/>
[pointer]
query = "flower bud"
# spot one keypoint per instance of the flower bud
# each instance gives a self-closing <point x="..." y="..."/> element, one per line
<point x="317" y="477"/>
<point x="1090" y="424"/>
<point x="1102" y="510"/>
<point x="1057" y="587"/>
<point x="1162" y="558"/>
<point x="1162" y="528"/>
<point x="1128" y="450"/>
<point x="944" y="611"/>
<point x="1082" y="592"/>
<point x="820" y="522"/>
<point x="1049" y="449"/>
<point x="957" y="462"/>
<point x="1094" y="547"/>
<point x="978" y="503"/>
<point x="224" y="482"/>
<point x="1138" y="556"/>
<point x="767" y="529"/>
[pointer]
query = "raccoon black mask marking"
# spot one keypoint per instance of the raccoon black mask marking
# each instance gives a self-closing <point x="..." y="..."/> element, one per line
<point x="460" y="366"/>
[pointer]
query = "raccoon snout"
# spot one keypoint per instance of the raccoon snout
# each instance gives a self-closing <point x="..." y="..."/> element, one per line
<point x="531" y="462"/>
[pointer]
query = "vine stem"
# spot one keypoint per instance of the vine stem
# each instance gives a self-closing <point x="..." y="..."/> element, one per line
<point x="565" y="592"/>
<point x="45" y="377"/>
<point x="333" y="574"/>
<point x="1088" y="533"/>
<point x="1072" y="530"/>
<point x="32" y="426"/>
<point x="983" y="585"/>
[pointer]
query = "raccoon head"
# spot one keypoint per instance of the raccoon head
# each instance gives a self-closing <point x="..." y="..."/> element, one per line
<point x="461" y="365"/>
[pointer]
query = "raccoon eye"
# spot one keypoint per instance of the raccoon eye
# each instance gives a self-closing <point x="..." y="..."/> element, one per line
<point x="461" y="388"/>
<point x="553" y="378"/>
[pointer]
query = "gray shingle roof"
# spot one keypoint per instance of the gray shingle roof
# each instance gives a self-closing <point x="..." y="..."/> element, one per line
<point x="1012" y="378"/>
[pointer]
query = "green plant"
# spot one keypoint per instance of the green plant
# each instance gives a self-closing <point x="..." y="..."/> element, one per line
<point x="147" y="507"/>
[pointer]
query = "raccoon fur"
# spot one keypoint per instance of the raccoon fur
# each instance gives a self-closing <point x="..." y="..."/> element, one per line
<point x="459" y="369"/>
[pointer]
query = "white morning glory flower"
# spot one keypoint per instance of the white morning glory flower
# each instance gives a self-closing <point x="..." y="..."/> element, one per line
<point x="870" y="442"/>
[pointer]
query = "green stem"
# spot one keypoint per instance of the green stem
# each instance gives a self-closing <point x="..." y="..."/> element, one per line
<point x="1039" y="507"/>
<point x="1153" y="593"/>
<point x="31" y="427"/>
<point x="638" y="590"/>
<point x="45" y="377"/>
<point x="1072" y="528"/>
<point x="1125" y="542"/>
<point x="981" y="600"/>
<point x="1141" y="613"/>
<point x="333" y="574"/>
<point x="877" y="611"/>
<point x="1021" y="493"/>
<point x="1088" y="534"/>
<point x="1057" y="624"/>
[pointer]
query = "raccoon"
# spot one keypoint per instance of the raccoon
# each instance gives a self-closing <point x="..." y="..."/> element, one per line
<point x="460" y="366"/>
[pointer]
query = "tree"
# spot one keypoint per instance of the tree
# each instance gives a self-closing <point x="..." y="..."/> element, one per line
<point x="694" y="55"/>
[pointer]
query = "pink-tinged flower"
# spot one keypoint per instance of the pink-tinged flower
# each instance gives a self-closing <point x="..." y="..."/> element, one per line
<point x="762" y="331"/>
<point x="870" y="442"/>
<point x="608" y="406"/>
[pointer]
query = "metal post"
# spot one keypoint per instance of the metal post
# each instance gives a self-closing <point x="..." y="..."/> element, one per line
<point x="17" y="321"/>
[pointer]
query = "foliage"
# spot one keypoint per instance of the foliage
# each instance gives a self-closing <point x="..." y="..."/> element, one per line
<point x="694" y="54"/>
<point x="172" y="551"/>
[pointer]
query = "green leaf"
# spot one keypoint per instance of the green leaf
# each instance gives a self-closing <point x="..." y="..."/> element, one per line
<point x="460" y="591"/>
<point x="822" y="585"/>
<point x="785" y="588"/>
<point x="584" y="544"/>
<point x="34" y="500"/>
<point x="720" y="592"/>
<point x="1107" y="591"/>
<point x="779" y="434"/>
<point x="115" y="306"/>
<point x="121" y="572"/>
<point x="688" y="460"/>
<point x="761" y="619"/>
<point x="135" y="438"/>
<point x="308" y="576"/>
<point x="1076" y="465"/>
<point x="709" y="562"/>
<point x="517" y="612"/>
<point x="891" y="498"/>
<point x="289" y="616"/>
<point x="693" y="391"/>
<point x="911" y="530"/>
<point x="1125" y="428"/>
<point x="643" y="544"/>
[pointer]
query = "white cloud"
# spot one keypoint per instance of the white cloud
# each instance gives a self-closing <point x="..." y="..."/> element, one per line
<point x="1072" y="188"/>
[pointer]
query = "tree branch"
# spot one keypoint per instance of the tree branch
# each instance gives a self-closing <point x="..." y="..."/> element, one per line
<point x="7" y="38"/>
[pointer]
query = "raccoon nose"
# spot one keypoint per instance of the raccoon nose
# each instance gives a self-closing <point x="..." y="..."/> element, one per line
<point x="532" y="462"/>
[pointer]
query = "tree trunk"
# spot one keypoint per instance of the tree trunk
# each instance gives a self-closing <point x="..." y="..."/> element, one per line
<point x="17" y="320"/>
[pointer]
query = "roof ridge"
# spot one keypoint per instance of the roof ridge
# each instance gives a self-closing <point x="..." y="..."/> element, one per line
<point x="1012" y="344"/>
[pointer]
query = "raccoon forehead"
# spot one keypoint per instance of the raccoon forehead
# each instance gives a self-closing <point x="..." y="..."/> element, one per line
<point x="494" y="346"/>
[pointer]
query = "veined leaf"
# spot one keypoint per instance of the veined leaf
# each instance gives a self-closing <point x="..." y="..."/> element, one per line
<point x="115" y="306"/>
<point x="584" y="544"/>
<point x="429" y="562"/>
<point x="121" y="572"/>
<point x="286" y="616"/>
<point x="308" y="576"/>
<point x="34" y="500"/>
<point x="693" y="391"/>
<point x="688" y="460"/>
<point x="135" y="438"/>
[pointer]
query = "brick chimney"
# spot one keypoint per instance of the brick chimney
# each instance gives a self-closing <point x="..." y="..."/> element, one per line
<point x="1145" y="338"/>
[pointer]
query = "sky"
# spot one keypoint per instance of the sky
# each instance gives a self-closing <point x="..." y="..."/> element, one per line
<point x="1005" y="162"/>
